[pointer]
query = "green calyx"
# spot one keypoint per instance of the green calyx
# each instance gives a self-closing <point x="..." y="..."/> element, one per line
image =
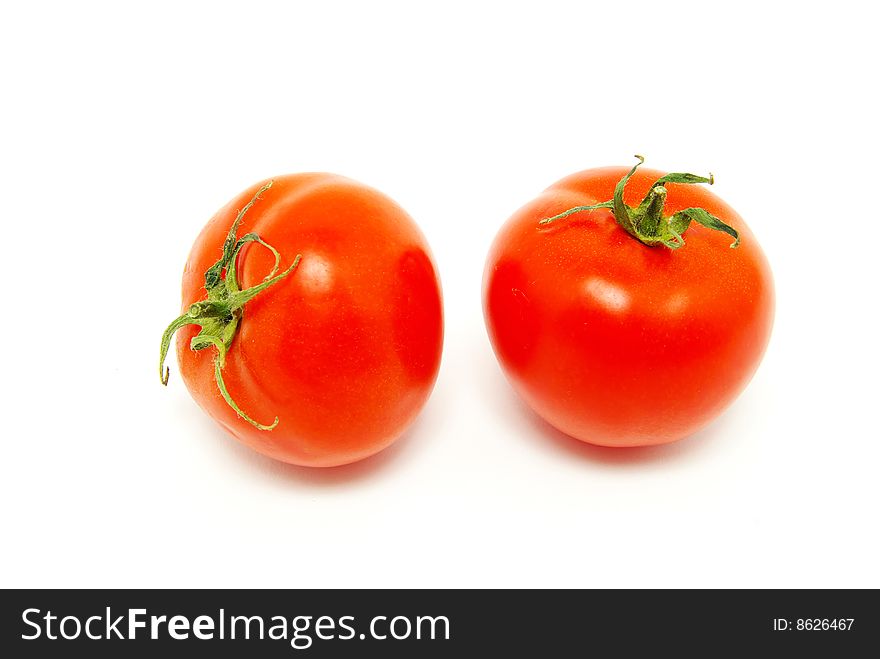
<point x="646" y="222"/>
<point x="220" y="314"/>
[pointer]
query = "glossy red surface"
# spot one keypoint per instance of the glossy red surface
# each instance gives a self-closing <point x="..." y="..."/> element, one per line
<point x="616" y="343"/>
<point x="345" y="351"/>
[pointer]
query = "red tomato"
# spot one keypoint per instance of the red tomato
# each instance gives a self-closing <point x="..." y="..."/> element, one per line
<point x="341" y="348"/>
<point x="615" y="342"/>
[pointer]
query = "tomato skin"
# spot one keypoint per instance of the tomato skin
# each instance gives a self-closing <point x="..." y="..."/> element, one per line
<point x="616" y="343"/>
<point x="345" y="350"/>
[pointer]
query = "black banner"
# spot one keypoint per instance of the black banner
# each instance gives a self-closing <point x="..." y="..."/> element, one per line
<point x="318" y="623"/>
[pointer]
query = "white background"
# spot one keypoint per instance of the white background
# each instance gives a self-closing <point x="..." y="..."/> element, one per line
<point x="125" y="127"/>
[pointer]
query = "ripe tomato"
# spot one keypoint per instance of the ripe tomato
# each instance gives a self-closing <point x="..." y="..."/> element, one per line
<point x="617" y="342"/>
<point x="340" y="346"/>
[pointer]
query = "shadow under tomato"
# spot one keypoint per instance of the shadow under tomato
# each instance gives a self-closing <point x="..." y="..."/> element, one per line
<point x="627" y="455"/>
<point x="319" y="476"/>
<point x="507" y="402"/>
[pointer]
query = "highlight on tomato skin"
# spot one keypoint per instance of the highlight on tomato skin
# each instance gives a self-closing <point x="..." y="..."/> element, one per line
<point x="311" y="326"/>
<point x="629" y="331"/>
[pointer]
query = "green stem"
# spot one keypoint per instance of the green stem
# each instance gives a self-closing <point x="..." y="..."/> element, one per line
<point x="241" y="298"/>
<point x="212" y="276"/>
<point x="175" y="325"/>
<point x="650" y="211"/>
<point x="647" y="222"/>
<point x="619" y="208"/>
<point x="221" y="385"/>
<point x="219" y="316"/>
<point x="572" y="211"/>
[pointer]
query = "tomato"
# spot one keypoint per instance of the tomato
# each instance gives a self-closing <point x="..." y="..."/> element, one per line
<point x="614" y="341"/>
<point x="326" y="355"/>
